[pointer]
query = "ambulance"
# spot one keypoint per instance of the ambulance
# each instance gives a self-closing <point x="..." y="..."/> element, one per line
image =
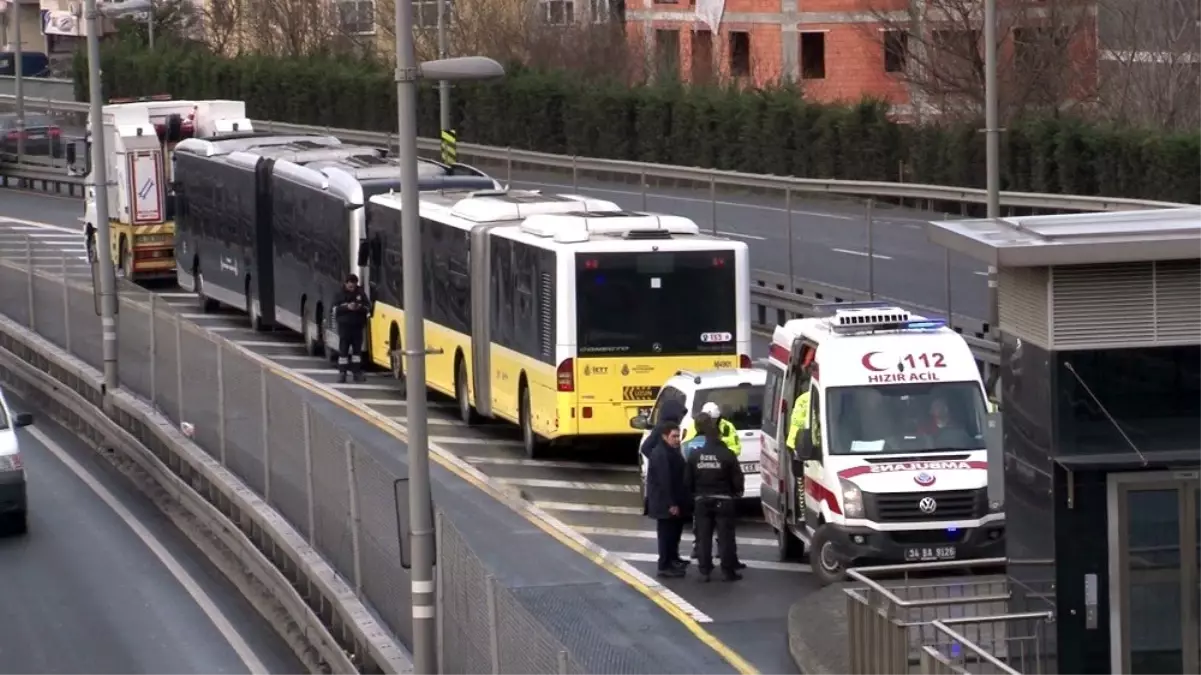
<point x="892" y="465"/>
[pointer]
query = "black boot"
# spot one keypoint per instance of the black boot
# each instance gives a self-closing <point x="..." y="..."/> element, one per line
<point x="341" y="377"/>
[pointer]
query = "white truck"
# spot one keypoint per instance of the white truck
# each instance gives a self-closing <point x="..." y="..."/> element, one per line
<point x="139" y="141"/>
<point x="891" y="465"/>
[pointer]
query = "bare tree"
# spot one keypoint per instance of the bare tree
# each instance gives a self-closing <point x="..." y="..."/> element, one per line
<point x="1150" y="62"/>
<point x="222" y="25"/>
<point x="937" y="47"/>
<point x="293" y="28"/>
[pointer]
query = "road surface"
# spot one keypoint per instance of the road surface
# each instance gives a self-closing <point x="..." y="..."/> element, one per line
<point x="104" y="583"/>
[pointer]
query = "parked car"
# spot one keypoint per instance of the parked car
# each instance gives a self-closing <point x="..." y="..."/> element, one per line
<point x="43" y="136"/>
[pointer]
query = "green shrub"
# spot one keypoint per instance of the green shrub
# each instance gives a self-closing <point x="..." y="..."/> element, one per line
<point x="769" y="131"/>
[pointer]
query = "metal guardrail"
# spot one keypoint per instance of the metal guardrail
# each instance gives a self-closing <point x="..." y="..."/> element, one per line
<point x="891" y="625"/>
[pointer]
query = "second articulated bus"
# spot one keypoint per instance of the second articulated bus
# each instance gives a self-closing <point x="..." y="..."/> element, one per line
<point x="561" y="314"/>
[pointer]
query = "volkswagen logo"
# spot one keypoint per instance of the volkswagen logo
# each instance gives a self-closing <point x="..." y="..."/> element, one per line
<point x="924" y="479"/>
<point x="927" y="505"/>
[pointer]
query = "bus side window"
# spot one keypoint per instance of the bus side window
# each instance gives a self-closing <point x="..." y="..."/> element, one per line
<point x="772" y="395"/>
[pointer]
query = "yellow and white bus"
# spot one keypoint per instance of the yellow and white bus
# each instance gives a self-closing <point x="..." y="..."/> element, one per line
<point x="560" y="313"/>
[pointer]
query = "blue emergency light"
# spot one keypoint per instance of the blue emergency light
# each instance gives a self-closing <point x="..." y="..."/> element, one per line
<point x="924" y="324"/>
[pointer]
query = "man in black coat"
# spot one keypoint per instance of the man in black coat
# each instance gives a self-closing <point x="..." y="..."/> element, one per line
<point x="671" y="412"/>
<point x="714" y="478"/>
<point x="667" y="500"/>
<point x="351" y="313"/>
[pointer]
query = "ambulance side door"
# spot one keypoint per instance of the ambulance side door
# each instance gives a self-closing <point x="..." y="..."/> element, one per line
<point x="814" y="468"/>
<point x="796" y="383"/>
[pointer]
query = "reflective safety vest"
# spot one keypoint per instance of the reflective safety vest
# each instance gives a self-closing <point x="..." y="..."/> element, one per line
<point x="729" y="435"/>
<point x="799" y="419"/>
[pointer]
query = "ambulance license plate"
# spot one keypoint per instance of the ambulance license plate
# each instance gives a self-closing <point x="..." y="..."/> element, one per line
<point x="930" y="553"/>
<point x="750" y="467"/>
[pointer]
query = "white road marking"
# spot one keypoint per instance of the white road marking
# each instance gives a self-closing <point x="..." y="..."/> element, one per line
<point x="698" y="200"/>
<point x="452" y="440"/>
<point x="177" y="296"/>
<point x="753" y="564"/>
<point x="33" y="225"/>
<point x="224" y="329"/>
<point x="549" y="464"/>
<point x="589" y="508"/>
<point x="650" y="534"/>
<point x="566" y="484"/>
<point x="193" y="589"/>
<point x="295" y="357"/>
<point x="199" y="315"/>
<point x="862" y="254"/>
<point x="741" y="235"/>
<point x="356" y="386"/>
<point x="268" y="343"/>
<point x="433" y="421"/>
<point x="980" y="274"/>
<point x="314" y="371"/>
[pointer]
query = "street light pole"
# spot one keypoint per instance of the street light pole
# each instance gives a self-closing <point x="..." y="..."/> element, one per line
<point x="104" y="255"/>
<point x="18" y="76"/>
<point x="425" y="637"/>
<point x="150" y="25"/>
<point x="443" y="49"/>
<point x="992" y="148"/>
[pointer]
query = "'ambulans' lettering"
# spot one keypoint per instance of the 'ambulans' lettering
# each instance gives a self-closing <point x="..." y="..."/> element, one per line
<point x="883" y="378"/>
<point x="920" y="466"/>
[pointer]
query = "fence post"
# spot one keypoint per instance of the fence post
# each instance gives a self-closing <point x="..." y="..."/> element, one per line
<point x="154" y="352"/>
<point x="29" y="272"/>
<point x="263" y="411"/>
<point x="305" y="415"/>
<point x="493" y="623"/>
<point x="439" y="598"/>
<point x="713" y="201"/>
<point x="871" y="251"/>
<point x="509" y="165"/>
<point x="221" y="442"/>
<point x="791" y="243"/>
<point x="562" y="662"/>
<point x="946" y="268"/>
<point x="642" y="185"/>
<point x="354" y="518"/>
<point x="179" y="365"/>
<point x="575" y="174"/>
<point x="66" y="300"/>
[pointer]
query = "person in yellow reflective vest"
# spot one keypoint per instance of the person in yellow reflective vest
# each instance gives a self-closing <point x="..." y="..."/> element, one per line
<point x="798" y="420"/>
<point x="729" y="434"/>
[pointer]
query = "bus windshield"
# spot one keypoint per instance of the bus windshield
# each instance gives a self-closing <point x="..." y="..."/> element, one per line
<point x="656" y="304"/>
<point x="906" y="418"/>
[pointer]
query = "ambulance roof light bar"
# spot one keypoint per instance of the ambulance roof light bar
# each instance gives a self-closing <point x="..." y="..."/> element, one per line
<point x="861" y="319"/>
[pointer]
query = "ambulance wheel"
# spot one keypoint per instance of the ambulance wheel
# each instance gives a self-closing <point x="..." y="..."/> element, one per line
<point x="529" y="440"/>
<point x="462" y="396"/>
<point x="827" y="566"/>
<point x="788" y="547"/>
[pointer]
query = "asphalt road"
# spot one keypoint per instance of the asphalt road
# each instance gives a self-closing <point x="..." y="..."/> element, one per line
<point x="824" y="241"/>
<point x="84" y="591"/>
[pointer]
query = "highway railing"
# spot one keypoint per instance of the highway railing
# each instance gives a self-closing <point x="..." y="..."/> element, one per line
<point x="960" y="625"/>
<point x="337" y="496"/>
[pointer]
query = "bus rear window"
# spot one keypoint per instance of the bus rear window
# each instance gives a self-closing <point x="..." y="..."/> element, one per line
<point x="656" y="304"/>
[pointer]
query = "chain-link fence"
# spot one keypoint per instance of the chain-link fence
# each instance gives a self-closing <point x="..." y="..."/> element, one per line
<point x="335" y="489"/>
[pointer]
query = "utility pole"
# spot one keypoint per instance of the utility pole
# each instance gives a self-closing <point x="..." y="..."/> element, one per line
<point x="150" y="25"/>
<point x="18" y="76"/>
<point x="104" y="254"/>
<point x="443" y="49"/>
<point x="992" y="148"/>
<point x="425" y="635"/>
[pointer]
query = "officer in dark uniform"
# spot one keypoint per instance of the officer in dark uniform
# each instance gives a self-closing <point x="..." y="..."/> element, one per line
<point x="351" y="314"/>
<point x="714" y="478"/>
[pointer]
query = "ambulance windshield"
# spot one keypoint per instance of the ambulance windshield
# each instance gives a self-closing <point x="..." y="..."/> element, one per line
<point x="906" y="418"/>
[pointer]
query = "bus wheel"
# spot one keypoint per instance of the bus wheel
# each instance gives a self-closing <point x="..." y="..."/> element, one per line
<point x="461" y="393"/>
<point x="827" y="566"/>
<point x="206" y="304"/>
<point x="529" y="439"/>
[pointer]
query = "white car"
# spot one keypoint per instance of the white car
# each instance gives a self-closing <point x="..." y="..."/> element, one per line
<point x="739" y="393"/>
<point x="12" y="470"/>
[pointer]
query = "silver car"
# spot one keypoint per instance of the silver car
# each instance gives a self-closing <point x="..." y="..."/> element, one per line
<point x="13" y="503"/>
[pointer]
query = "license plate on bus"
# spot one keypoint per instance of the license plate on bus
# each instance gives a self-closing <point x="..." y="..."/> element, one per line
<point x="929" y="553"/>
<point x="750" y="467"/>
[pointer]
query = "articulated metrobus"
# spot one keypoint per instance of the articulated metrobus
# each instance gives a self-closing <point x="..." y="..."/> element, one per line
<point x="559" y="313"/>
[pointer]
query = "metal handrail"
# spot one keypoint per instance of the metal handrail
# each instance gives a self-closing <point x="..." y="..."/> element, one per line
<point x="858" y="575"/>
<point x="976" y="649"/>
<point x="698" y="175"/>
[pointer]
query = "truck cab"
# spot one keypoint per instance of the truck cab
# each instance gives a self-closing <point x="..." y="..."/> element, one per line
<point x="889" y="462"/>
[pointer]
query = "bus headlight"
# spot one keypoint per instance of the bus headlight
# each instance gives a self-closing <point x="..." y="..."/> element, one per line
<point x="852" y="499"/>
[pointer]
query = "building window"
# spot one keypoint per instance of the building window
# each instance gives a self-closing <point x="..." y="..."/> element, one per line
<point x="740" y="53"/>
<point x="702" y="57"/>
<point x="599" y="11"/>
<point x="813" y="56"/>
<point x="357" y="17"/>
<point x="667" y="51"/>
<point x="425" y="13"/>
<point x="558" y="12"/>
<point x="896" y="50"/>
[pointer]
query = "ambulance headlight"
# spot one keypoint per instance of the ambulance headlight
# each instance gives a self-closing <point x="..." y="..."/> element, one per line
<point x="852" y="499"/>
<point x="996" y="506"/>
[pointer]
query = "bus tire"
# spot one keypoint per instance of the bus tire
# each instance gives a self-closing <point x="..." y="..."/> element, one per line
<point x="462" y="392"/>
<point x="827" y="566"/>
<point x="529" y="439"/>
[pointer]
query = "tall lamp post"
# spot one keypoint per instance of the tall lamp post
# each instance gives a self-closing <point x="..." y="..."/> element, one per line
<point x="421" y="524"/>
<point x="992" y="158"/>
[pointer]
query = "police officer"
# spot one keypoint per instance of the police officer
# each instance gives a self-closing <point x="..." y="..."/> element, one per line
<point x="714" y="478"/>
<point x="351" y="314"/>
<point x="726" y="428"/>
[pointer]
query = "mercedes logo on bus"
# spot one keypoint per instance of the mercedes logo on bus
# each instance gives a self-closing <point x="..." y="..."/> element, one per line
<point x="927" y="505"/>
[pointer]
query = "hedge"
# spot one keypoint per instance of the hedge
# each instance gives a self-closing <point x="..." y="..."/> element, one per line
<point x="765" y="131"/>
